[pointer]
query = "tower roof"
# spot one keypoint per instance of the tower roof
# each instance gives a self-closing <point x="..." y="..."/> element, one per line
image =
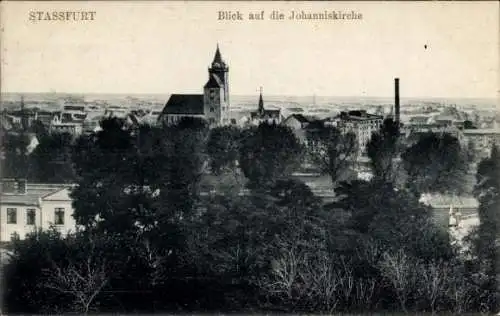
<point x="214" y="82"/>
<point x="218" y="62"/>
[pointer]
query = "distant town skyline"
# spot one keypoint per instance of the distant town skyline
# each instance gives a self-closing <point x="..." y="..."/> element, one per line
<point x="438" y="50"/>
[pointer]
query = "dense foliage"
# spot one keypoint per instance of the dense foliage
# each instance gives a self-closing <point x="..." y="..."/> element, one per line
<point x="15" y="157"/>
<point x="436" y="163"/>
<point x="332" y="151"/>
<point x="383" y="147"/>
<point x="160" y="233"/>
<point x="485" y="239"/>
<point x="269" y="152"/>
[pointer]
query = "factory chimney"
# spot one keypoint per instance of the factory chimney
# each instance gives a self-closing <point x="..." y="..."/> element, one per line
<point x="396" y="100"/>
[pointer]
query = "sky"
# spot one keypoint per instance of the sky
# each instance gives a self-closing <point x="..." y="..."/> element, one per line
<point x="437" y="49"/>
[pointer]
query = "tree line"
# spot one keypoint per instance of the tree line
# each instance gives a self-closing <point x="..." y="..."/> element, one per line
<point x="185" y="218"/>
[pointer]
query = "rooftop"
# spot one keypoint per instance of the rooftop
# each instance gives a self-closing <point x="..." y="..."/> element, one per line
<point x="482" y="131"/>
<point x="79" y="108"/>
<point x="17" y="193"/>
<point x="184" y="104"/>
<point x="72" y="118"/>
<point x="358" y="116"/>
<point x="445" y="201"/>
<point x="444" y="118"/>
<point x="301" y="118"/>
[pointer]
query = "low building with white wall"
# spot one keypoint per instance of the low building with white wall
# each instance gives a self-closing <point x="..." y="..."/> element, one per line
<point x="27" y="207"/>
<point x="457" y="213"/>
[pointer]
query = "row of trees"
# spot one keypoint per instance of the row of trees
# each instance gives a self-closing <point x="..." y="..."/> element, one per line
<point x="159" y="233"/>
<point x="278" y="151"/>
<point x="49" y="162"/>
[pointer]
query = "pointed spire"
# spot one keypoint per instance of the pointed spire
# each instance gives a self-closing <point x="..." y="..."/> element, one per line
<point x="261" y="102"/>
<point x="218" y="62"/>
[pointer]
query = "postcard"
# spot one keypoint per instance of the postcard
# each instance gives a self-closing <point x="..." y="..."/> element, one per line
<point x="249" y="157"/>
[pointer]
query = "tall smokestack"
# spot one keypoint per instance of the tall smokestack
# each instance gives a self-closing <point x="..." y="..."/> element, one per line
<point x="396" y="99"/>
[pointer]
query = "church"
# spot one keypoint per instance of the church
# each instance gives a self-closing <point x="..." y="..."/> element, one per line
<point x="212" y="105"/>
<point x="263" y="115"/>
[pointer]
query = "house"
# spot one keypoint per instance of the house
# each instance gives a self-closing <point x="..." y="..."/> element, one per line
<point x="212" y="105"/>
<point x="66" y="122"/>
<point x="418" y="120"/>
<point x="411" y="134"/>
<point x="482" y="137"/>
<point x="450" y="209"/>
<point x="26" y="207"/>
<point x="446" y="120"/>
<point x="481" y="140"/>
<point x="45" y="117"/>
<point x="116" y="111"/>
<point x="298" y="123"/>
<point x="359" y="122"/>
<point x="74" y="109"/>
<point x="92" y="125"/>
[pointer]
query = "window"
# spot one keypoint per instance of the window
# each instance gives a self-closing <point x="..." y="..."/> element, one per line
<point x="12" y="216"/>
<point x="30" y="216"/>
<point x="59" y="216"/>
<point x="212" y="109"/>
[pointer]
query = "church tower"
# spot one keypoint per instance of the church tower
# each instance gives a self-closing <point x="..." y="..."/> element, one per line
<point x="216" y="92"/>
<point x="260" y="109"/>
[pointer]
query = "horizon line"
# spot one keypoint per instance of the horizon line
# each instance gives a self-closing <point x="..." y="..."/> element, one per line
<point x="248" y="95"/>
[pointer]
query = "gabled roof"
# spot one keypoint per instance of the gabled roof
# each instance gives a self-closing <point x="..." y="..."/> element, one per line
<point x="61" y="195"/>
<point x="214" y="82"/>
<point x="34" y="193"/>
<point x="299" y="117"/>
<point x="184" y="104"/>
